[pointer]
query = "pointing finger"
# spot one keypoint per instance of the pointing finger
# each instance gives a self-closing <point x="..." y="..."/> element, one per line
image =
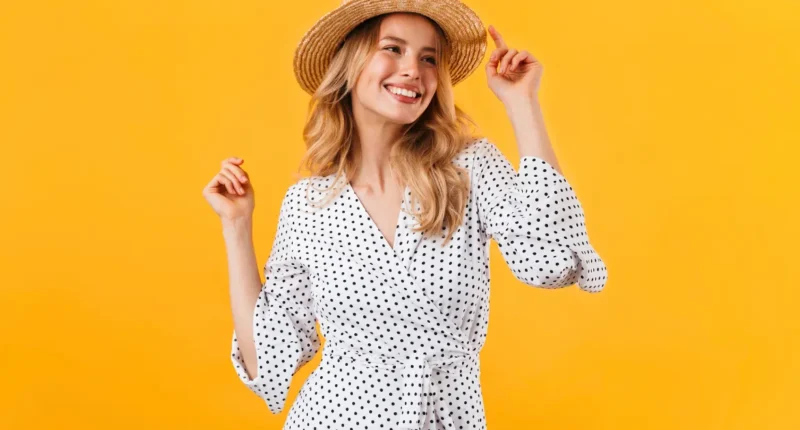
<point x="498" y="40"/>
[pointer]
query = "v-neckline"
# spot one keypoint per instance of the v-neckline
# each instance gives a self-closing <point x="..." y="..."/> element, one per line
<point x="398" y="222"/>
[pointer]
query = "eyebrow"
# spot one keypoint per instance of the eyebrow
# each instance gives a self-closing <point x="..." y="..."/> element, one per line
<point x="399" y="40"/>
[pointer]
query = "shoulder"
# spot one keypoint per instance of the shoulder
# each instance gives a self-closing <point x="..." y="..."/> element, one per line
<point x="306" y="194"/>
<point x="476" y="151"/>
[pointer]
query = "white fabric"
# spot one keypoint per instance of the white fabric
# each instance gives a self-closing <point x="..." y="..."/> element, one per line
<point x="403" y="327"/>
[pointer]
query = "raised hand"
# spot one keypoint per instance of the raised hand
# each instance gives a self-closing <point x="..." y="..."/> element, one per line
<point x="230" y="192"/>
<point x="512" y="75"/>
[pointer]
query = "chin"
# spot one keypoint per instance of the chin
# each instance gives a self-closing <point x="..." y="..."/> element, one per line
<point x="405" y="121"/>
<point x="403" y="117"/>
<point x="398" y="119"/>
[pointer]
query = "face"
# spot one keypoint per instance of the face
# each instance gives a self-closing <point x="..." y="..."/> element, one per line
<point x="404" y="61"/>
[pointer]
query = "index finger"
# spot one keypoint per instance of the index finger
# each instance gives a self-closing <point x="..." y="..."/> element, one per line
<point x="498" y="40"/>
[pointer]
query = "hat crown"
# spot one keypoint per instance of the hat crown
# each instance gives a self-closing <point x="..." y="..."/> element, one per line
<point x="461" y="26"/>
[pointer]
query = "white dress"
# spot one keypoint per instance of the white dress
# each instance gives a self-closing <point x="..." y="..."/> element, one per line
<point x="403" y="327"/>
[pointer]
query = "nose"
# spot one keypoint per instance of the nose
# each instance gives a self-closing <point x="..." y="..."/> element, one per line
<point x="410" y="67"/>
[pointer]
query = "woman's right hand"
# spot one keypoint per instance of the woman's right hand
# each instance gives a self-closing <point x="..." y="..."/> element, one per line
<point x="230" y="192"/>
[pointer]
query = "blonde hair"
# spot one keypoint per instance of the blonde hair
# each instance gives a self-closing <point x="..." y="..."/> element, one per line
<point x="422" y="155"/>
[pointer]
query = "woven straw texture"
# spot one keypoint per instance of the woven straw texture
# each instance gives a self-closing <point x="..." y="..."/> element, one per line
<point x="462" y="28"/>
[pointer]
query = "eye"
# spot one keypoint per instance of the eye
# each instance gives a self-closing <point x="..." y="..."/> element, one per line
<point x="392" y="47"/>
<point x="432" y="60"/>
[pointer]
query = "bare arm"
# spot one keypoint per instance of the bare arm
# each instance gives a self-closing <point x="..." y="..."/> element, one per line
<point x="245" y="285"/>
<point x="529" y="129"/>
<point x="517" y="86"/>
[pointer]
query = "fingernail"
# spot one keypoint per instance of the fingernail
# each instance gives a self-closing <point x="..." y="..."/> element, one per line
<point x="243" y="179"/>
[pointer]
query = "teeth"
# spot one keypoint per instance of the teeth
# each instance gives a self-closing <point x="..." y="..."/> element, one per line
<point x="401" y="91"/>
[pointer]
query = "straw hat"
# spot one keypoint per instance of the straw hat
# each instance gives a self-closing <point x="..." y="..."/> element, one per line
<point x="461" y="26"/>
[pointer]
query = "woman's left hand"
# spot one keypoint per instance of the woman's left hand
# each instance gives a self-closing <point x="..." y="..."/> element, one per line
<point x="512" y="75"/>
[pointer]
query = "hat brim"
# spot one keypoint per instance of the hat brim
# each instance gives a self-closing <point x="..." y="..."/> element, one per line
<point x="462" y="28"/>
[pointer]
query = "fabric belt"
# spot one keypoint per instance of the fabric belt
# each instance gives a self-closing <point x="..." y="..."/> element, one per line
<point x="417" y="372"/>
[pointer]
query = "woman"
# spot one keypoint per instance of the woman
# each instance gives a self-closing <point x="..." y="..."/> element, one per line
<point x="385" y="244"/>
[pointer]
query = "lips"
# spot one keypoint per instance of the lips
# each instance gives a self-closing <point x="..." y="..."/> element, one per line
<point x="402" y="98"/>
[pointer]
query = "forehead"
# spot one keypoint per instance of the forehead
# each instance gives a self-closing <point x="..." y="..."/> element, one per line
<point x="416" y="29"/>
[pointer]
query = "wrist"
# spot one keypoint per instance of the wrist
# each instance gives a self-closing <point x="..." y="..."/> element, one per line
<point x="237" y="227"/>
<point x="522" y="105"/>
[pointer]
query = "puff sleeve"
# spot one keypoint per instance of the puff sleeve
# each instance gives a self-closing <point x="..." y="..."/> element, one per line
<point x="284" y="325"/>
<point x="537" y="221"/>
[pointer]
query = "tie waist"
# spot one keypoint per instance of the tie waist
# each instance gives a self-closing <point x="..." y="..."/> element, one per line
<point x="417" y="372"/>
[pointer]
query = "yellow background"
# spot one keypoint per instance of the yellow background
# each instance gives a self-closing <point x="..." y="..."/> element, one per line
<point x="676" y="123"/>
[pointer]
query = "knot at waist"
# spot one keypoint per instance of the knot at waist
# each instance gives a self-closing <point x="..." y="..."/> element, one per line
<point x="417" y="397"/>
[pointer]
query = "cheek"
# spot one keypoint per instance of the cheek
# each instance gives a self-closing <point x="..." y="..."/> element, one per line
<point x="432" y="82"/>
<point x="378" y="70"/>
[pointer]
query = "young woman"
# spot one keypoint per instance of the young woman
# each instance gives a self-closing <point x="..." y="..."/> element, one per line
<point x="385" y="244"/>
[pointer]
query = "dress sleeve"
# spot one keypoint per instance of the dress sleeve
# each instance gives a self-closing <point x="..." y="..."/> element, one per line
<point x="284" y="325"/>
<point x="536" y="220"/>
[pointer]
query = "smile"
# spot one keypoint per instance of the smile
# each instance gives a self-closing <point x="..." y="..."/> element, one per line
<point x="402" y="98"/>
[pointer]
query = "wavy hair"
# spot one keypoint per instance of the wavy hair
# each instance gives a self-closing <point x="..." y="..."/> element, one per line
<point x="422" y="155"/>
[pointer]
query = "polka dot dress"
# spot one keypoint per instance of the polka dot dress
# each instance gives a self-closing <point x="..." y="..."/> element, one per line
<point x="403" y="326"/>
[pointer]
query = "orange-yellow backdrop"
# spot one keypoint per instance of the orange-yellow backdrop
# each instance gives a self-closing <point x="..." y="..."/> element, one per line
<point x="676" y="122"/>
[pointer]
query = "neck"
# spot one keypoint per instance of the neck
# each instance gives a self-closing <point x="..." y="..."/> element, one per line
<point x="376" y="136"/>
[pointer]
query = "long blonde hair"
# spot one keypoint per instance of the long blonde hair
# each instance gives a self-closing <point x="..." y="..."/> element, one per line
<point x="422" y="155"/>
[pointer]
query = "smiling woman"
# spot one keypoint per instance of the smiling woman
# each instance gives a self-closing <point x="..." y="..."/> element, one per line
<point x="403" y="65"/>
<point x="366" y="96"/>
<point x="385" y="243"/>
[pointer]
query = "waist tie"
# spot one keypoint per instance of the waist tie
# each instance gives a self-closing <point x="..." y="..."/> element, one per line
<point x="417" y="372"/>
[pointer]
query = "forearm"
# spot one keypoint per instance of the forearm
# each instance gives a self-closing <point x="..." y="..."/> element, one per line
<point x="245" y="286"/>
<point x="530" y="131"/>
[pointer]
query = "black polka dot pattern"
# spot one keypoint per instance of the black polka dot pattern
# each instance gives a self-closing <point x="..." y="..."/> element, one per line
<point x="538" y="223"/>
<point x="403" y="326"/>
